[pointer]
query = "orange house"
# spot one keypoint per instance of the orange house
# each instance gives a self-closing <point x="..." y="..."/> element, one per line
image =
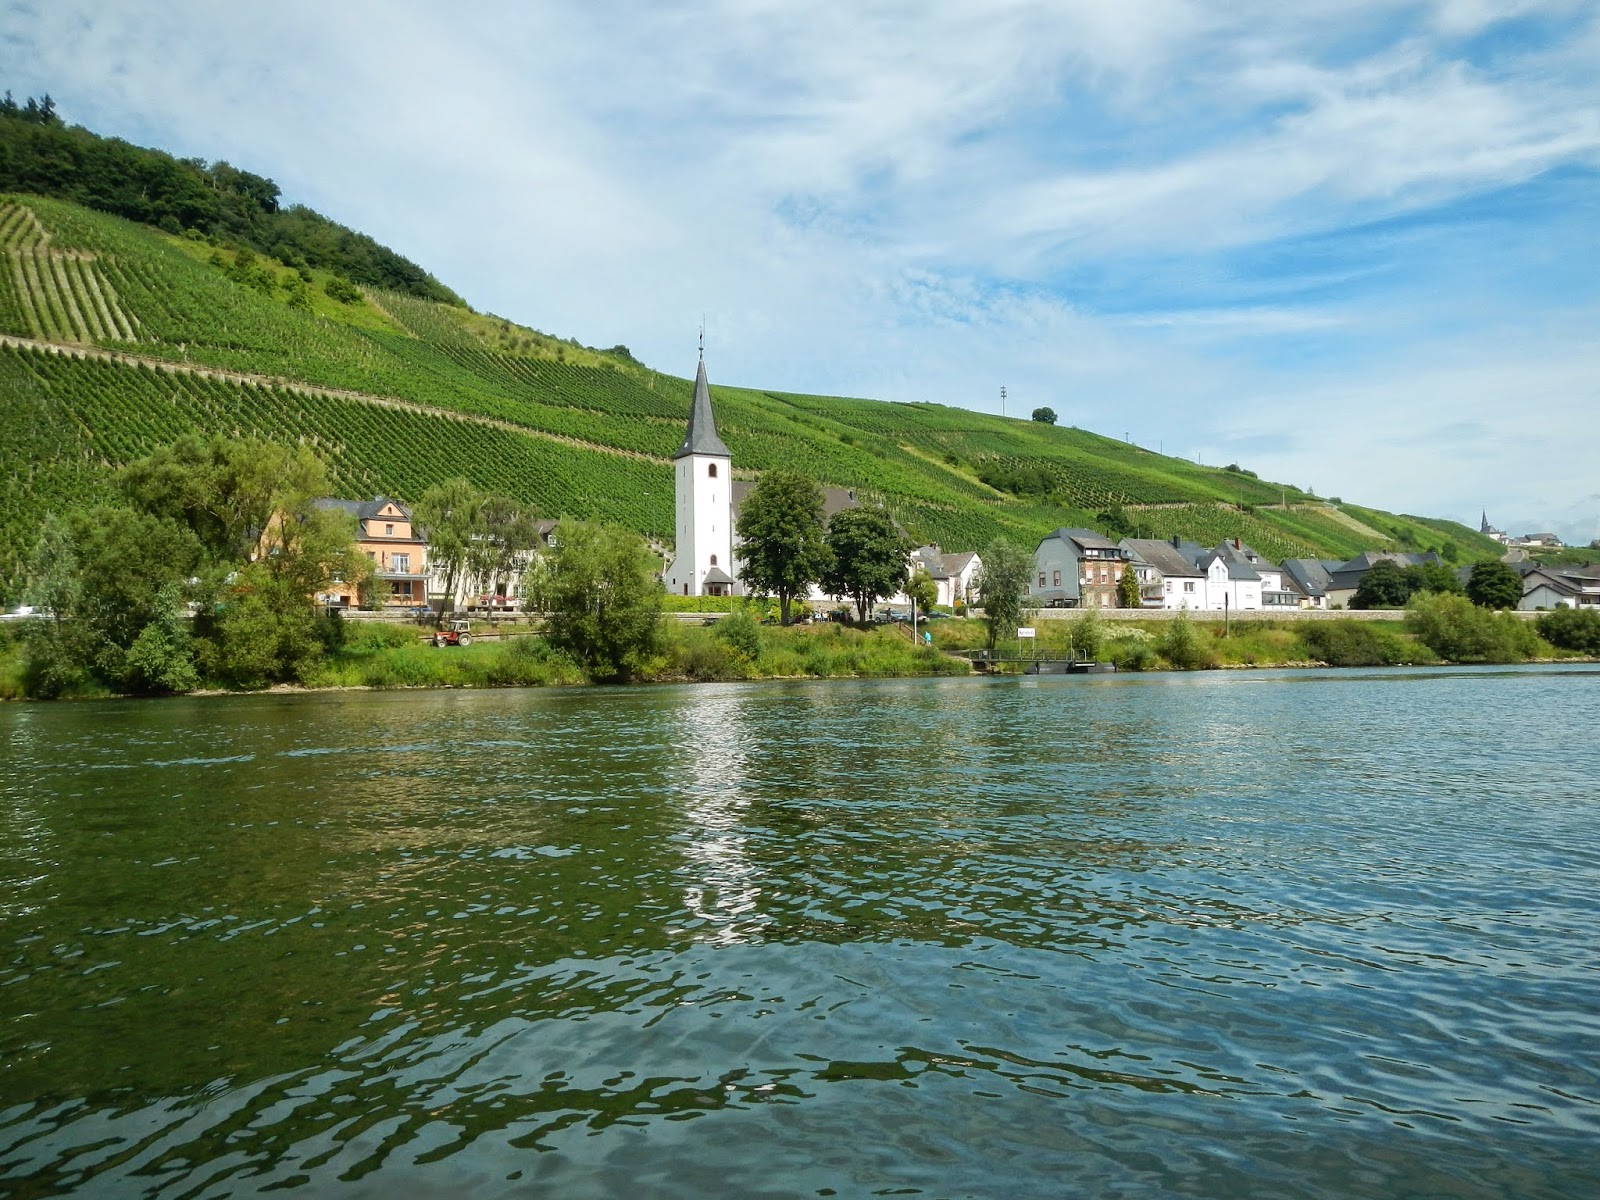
<point x="386" y="534"/>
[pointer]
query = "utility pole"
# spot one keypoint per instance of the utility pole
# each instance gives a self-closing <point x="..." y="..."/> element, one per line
<point x="1002" y="400"/>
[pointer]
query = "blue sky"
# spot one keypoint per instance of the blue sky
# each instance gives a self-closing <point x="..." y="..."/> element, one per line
<point x="1351" y="245"/>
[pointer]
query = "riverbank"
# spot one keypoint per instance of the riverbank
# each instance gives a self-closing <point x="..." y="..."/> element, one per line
<point x="388" y="656"/>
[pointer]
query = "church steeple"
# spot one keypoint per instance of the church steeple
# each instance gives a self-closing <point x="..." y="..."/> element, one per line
<point x="702" y="435"/>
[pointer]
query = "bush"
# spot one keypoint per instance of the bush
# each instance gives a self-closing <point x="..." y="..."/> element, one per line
<point x="1456" y="629"/>
<point x="342" y="290"/>
<point x="1181" y="646"/>
<point x="1571" y="629"/>
<point x="1086" y="634"/>
<point x="1361" y="644"/>
<point x="741" y="635"/>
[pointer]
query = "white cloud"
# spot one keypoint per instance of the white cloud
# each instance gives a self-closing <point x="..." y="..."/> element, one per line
<point x="907" y="199"/>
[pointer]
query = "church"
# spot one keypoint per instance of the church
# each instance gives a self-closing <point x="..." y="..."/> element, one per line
<point x="703" y="563"/>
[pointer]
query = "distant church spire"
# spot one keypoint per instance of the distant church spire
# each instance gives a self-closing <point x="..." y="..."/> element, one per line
<point x="701" y="437"/>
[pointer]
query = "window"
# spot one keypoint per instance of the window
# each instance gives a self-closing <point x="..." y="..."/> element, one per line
<point x="1188" y="585"/>
<point x="402" y="563"/>
<point x="1057" y="575"/>
<point x="388" y="531"/>
<point x="1041" y="578"/>
<point x="711" y="470"/>
<point x="713" y="560"/>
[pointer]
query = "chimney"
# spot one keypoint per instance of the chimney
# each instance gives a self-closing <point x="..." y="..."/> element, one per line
<point x="1176" y="542"/>
<point x="1237" y="545"/>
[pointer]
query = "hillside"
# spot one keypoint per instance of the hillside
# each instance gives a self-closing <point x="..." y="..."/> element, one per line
<point x="121" y="337"/>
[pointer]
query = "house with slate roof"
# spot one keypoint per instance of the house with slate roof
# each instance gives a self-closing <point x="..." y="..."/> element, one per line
<point x="1168" y="577"/>
<point x="1076" y="568"/>
<point x="399" y="553"/>
<point x="1557" y="587"/>
<point x="955" y="576"/>
<point x="1310" y="577"/>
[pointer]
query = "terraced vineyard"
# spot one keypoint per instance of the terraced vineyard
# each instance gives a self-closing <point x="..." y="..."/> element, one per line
<point x="58" y="295"/>
<point x="573" y="430"/>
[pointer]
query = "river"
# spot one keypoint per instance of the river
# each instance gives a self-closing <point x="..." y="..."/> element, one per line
<point x="1273" y="933"/>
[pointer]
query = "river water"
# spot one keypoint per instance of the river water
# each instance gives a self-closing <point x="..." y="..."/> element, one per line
<point x="1276" y="934"/>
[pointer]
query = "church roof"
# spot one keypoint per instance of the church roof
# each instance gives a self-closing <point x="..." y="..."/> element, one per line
<point x="702" y="435"/>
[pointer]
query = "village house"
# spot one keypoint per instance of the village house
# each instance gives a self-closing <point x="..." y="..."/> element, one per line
<point x="955" y="576"/>
<point x="1076" y="568"/>
<point x="1168" y="577"/>
<point x="1557" y="587"/>
<point x="399" y="554"/>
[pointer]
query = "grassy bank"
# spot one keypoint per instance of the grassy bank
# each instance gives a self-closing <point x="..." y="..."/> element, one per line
<point x="737" y="648"/>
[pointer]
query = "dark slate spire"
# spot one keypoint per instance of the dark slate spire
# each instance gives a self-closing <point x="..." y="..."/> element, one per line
<point x="702" y="436"/>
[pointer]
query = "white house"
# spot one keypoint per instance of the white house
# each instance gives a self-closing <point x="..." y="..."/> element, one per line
<point x="954" y="575"/>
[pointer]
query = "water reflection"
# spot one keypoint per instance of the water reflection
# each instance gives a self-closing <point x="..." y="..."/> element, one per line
<point x="954" y="937"/>
<point x="713" y="786"/>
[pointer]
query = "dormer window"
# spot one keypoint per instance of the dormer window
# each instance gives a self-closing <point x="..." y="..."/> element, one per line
<point x="711" y="470"/>
<point x="388" y="531"/>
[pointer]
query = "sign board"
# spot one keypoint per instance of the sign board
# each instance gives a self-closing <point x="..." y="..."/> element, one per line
<point x="1025" y="632"/>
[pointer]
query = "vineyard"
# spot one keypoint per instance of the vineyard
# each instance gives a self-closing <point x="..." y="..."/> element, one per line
<point x="499" y="396"/>
<point x="56" y="295"/>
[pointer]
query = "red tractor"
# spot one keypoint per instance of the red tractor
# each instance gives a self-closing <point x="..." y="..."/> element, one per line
<point x="456" y="633"/>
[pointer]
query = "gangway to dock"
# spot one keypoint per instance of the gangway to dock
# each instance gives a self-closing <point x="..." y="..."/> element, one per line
<point x="1044" y="662"/>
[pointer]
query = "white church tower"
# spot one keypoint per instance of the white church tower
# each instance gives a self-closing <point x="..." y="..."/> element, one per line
<point x="703" y="485"/>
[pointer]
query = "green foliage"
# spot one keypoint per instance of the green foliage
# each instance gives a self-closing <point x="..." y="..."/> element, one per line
<point x="1128" y="588"/>
<point x="867" y="557"/>
<point x="1571" y="629"/>
<point x="784" y="546"/>
<point x="1360" y="644"/>
<point x="161" y="659"/>
<point x="1181" y="646"/>
<point x="1494" y="584"/>
<point x="599" y="590"/>
<point x="266" y="633"/>
<point x="1458" y="630"/>
<point x="177" y="195"/>
<point x="342" y="290"/>
<point x="1045" y="415"/>
<point x="740" y="634"/>
<point x="1384" y="585"/>
<point x="1087" y="634"/>
<point x="1003" y="588"/>
<point x="921" y="590"/>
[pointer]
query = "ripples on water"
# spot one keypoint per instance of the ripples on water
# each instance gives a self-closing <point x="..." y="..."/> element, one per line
<point x="1276" y="934"/>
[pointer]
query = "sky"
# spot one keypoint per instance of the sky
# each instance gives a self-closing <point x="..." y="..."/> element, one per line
<point x="1352" y="245"/>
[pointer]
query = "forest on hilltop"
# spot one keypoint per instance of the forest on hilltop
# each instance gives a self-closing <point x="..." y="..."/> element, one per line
<point x="42" y="155"/>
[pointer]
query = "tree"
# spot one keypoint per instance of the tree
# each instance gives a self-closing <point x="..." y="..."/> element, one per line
<point x="599" y="590"/>
<point x="1128" y="595"/>
<point x="451" y="515"/>
<point x="1494" y="584"/>
<point x="508" y="534"/>
<point x="1383" y="585"/>
<point x="1003" y="588"/>
<point x="1046" y="415"/>
<point x="1087" y="634"/>
<point x="922" y="591"/>
<point x="1460" y="630"/>
<point x="868" y="557"/>
<point x="1432" y="577"/>
<point x="783" y="542"/>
